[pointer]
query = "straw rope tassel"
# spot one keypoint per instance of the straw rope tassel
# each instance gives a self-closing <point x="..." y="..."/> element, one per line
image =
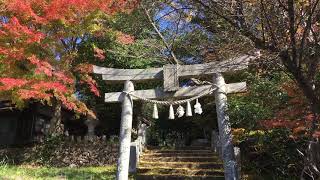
<point x="197" y="108"/>
<point x="155" y="114"/>
<point x="180" y="111"/>
<point x="171" y="112"/>
<point x="189" y="110"/>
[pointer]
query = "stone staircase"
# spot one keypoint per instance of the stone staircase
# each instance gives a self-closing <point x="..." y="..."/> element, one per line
<point x="180" y="164"/>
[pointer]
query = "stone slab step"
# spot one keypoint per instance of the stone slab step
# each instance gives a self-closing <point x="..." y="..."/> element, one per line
<point x="177" y="151"/>
<point x="180" y="159"/>
<point x="176" y="177"/>
<point x="193" y="165"/>
<point x="180" y="148"/>
<point x="184" y="171"/>
<point x="159" y="154"/>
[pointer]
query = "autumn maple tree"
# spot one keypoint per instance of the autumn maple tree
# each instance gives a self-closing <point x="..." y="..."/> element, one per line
<point x="38" y="45"/>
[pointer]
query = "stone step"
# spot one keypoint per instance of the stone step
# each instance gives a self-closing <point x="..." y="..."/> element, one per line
<point x="184" y="171"/>
<point x="202" y="154"/>
<point x="181" y="159"/>
<point x="183" y="163"/>
<point x="191" y="165"/>
<point x="179" y="148"/>
<point x="176" y="177"/>
<point x="177" y="151"/>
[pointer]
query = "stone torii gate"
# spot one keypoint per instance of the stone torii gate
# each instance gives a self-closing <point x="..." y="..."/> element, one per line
<point x="170" y="74"/>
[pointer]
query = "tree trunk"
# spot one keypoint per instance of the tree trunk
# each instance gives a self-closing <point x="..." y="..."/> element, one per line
<point x="305" y="85"/>
<point x="55" y="122"/>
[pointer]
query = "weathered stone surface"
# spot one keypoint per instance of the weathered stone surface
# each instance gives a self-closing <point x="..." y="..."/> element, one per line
<point x="64" y="154"/>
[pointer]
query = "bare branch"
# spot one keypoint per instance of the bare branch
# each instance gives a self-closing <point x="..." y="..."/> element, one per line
<point x="170" y="12"/>
<point x="307" y="29"/>
<point x="176" y="31"/>
<point x="282" y="5"/>
<point x="161" y="36"/>
<point x="274" y="39"/>
<point x="245" y="31"/>
<point x="291" y="13"/>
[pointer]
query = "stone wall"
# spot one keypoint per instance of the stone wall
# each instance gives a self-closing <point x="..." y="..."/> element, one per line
<point x="63" y="153"/>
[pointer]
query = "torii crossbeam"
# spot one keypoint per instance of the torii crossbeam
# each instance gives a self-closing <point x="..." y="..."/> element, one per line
<point x="170" y="74"/>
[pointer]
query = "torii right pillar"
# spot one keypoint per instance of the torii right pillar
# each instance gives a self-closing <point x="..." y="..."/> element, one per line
<point x="229" y="161"/>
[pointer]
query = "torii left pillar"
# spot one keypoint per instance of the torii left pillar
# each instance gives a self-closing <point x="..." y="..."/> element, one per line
<point x="125" y="133"/>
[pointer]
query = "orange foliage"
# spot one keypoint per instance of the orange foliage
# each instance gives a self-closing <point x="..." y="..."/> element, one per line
<point x="295" y="116"/>
<point x="124" y="38"/>
<point x="99" y="53"/>
<point x="69" y="11"/>
<point x="29" y="35"/>
<point x="10" y="83"/>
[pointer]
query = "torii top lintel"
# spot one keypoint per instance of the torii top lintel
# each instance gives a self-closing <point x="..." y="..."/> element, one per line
<point x="170" y="75"/>
<point x="120" y="75"/>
